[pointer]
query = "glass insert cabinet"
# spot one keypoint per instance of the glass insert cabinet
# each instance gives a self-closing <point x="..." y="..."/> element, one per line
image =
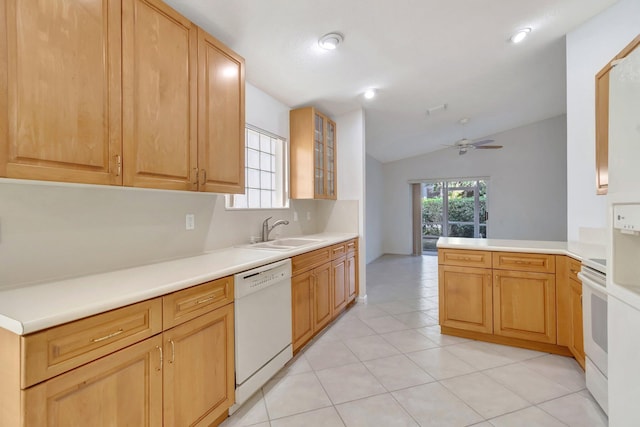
<point x="313" y="155"/>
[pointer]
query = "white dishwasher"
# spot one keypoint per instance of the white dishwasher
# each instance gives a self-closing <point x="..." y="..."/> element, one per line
<point x="262" y="326"/>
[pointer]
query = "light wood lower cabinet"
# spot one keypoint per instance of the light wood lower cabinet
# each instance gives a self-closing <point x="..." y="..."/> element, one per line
<point x="321" y="288"/>
<point x="352" y="274"/>
<point x="525" y="305"/>
<point x="302" y="308"/>
<point x="199" y="369"/>
<point x="577" y="338"/>
<point x="465" y="298"/>
<point x="121" y="368"/>
<point x="122" y="389"/>
<point x="312" y="305"/>
<point x="515" y="302"/>
<point x="340" y="284"/>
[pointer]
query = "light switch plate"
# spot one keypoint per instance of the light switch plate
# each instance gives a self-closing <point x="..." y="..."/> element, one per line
<point x="190" y="221"/>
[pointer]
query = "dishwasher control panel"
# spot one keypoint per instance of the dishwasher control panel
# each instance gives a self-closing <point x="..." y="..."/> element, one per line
<point x="251" y="281"/>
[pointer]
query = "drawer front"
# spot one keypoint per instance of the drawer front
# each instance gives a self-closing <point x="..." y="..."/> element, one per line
<point x="338" y="250"/>
<point x="574" y="269"/>
<point x="352" y="245"/>
<point x="464" y="258"/>
<point x="62" y="348"/>
<point x="300" y="263"/>
<point x="190" y="303"/>
<point x="541" y="263"/>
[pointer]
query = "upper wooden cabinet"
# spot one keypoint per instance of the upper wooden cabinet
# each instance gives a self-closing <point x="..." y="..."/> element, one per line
<point x="60" y="90"/>
<point x="119" y="92"/>
<point x="313" y="155"/>
<point x="221" y="145"/>
<point x="602" y="118"/>
<point x="160" y="96"/>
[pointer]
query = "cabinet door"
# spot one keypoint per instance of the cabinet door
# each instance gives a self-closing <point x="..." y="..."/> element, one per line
<point x="319" y="172"/>
<point x="465" y="298"/>
<point x="340" y="284"/>
<point x="352" y="276"/>
<point x="122" y="389"/>
<point x="331" y="160"/>
<point x="60" y="114"/>
<point x="199" y="369"/>
<point x="524" y="305"/>
<point x="159" y="96"/>
<point x="221" y="145"/>
<point x="322" y="298"/>
<point x="577" y="338"/>
<point x="302" y="308"/>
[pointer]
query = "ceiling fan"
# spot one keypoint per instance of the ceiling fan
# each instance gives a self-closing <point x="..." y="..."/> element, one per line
<point x="465" y="145"/>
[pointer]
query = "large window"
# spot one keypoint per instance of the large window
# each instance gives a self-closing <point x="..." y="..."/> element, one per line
<point x="454" y="208"/>
<point x="266" y="174"/>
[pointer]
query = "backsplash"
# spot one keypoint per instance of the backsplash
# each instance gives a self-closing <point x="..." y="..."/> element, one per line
<point x="51" y="231"/>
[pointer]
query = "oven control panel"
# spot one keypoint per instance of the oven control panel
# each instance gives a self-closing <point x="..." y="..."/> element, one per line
<point x="626" y="218"/>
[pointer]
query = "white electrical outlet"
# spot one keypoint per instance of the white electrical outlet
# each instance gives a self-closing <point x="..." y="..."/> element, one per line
<point x="308" y="216"/>
<point x="295" y="216"/>
<point x="190" y="222"/>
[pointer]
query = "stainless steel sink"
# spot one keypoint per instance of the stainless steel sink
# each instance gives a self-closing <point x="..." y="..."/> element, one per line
<point x="285" y="244"/>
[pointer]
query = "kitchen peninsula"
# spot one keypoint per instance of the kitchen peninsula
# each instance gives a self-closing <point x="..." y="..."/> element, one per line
<point x="514" y="292"/>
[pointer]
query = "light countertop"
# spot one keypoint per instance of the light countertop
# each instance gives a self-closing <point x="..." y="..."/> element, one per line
<point x="575" y="250"/>
<point x="31" y="308"/>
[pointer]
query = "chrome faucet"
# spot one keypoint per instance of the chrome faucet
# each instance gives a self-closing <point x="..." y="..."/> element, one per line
<point x="266" y="229"/>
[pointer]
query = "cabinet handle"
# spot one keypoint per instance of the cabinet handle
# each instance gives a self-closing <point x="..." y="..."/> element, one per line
<point x="173" y="351"/>
<point x="106" y="337"/>
<point x="204" y="177"/>
<point x="574" y="272"/>
<point x="161" y="358"/>
<point x="118" y="164"/>
<point x="195" y="174"/>
<point x="202" y="301"/>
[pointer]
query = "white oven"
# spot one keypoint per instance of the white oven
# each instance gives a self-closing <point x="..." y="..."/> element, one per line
<point x="594" y="318"/>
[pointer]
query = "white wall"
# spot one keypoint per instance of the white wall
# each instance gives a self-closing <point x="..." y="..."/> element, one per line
<point x="351" y="176"/>
<point x="52" y="230"/>
<point x="589" y="48"/>
<point x="527" y="188"/>
<point x="374" y="208"/>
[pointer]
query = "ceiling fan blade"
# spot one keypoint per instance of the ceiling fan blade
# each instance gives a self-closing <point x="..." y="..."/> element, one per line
<point x="488" y="147"/>
<point x="483" y="142"/>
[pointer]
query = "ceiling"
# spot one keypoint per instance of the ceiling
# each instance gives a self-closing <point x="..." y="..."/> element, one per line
<point x="417" y="53"/>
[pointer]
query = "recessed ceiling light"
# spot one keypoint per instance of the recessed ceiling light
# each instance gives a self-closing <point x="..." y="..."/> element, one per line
<point x="330" y="41"/>
<point x="520" y="35"/>
<point x="370" y="93"/>
<point x="464" y="120"/>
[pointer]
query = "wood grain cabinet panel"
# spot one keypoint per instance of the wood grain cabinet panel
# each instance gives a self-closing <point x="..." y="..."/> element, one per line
<point x="577" y="337"/>
<point x="313" y="155"/>
<point x="59" y="349"/>
<point x="524" y="305"/>
<point x="221" y="148"/>
<point x="464" y="258"/>
<point x="465" y="298"/>
<point x="60" y="85"/>
<point x="309" y="260"/>
<point x="542" y="263"/>
<point x="563" y="300"/>
<point x="322" y="296"/>
<point x="190" y="303"/>
<point x="199" y="369"/>
<point x="302" y="308"/>
<point x="122" y="389"/>
<point x="340" y="279"/>
<point x="352" y="276"/>
<point x="159" y="96"/>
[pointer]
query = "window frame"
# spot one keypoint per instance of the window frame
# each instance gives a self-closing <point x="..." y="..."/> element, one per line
<point x="281" y="187"/>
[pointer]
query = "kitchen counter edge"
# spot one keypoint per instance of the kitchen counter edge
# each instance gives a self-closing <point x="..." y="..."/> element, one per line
<point x="31" y="308"/>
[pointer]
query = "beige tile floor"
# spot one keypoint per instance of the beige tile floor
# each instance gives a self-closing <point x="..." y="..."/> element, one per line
<point x="386" y="364"/>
